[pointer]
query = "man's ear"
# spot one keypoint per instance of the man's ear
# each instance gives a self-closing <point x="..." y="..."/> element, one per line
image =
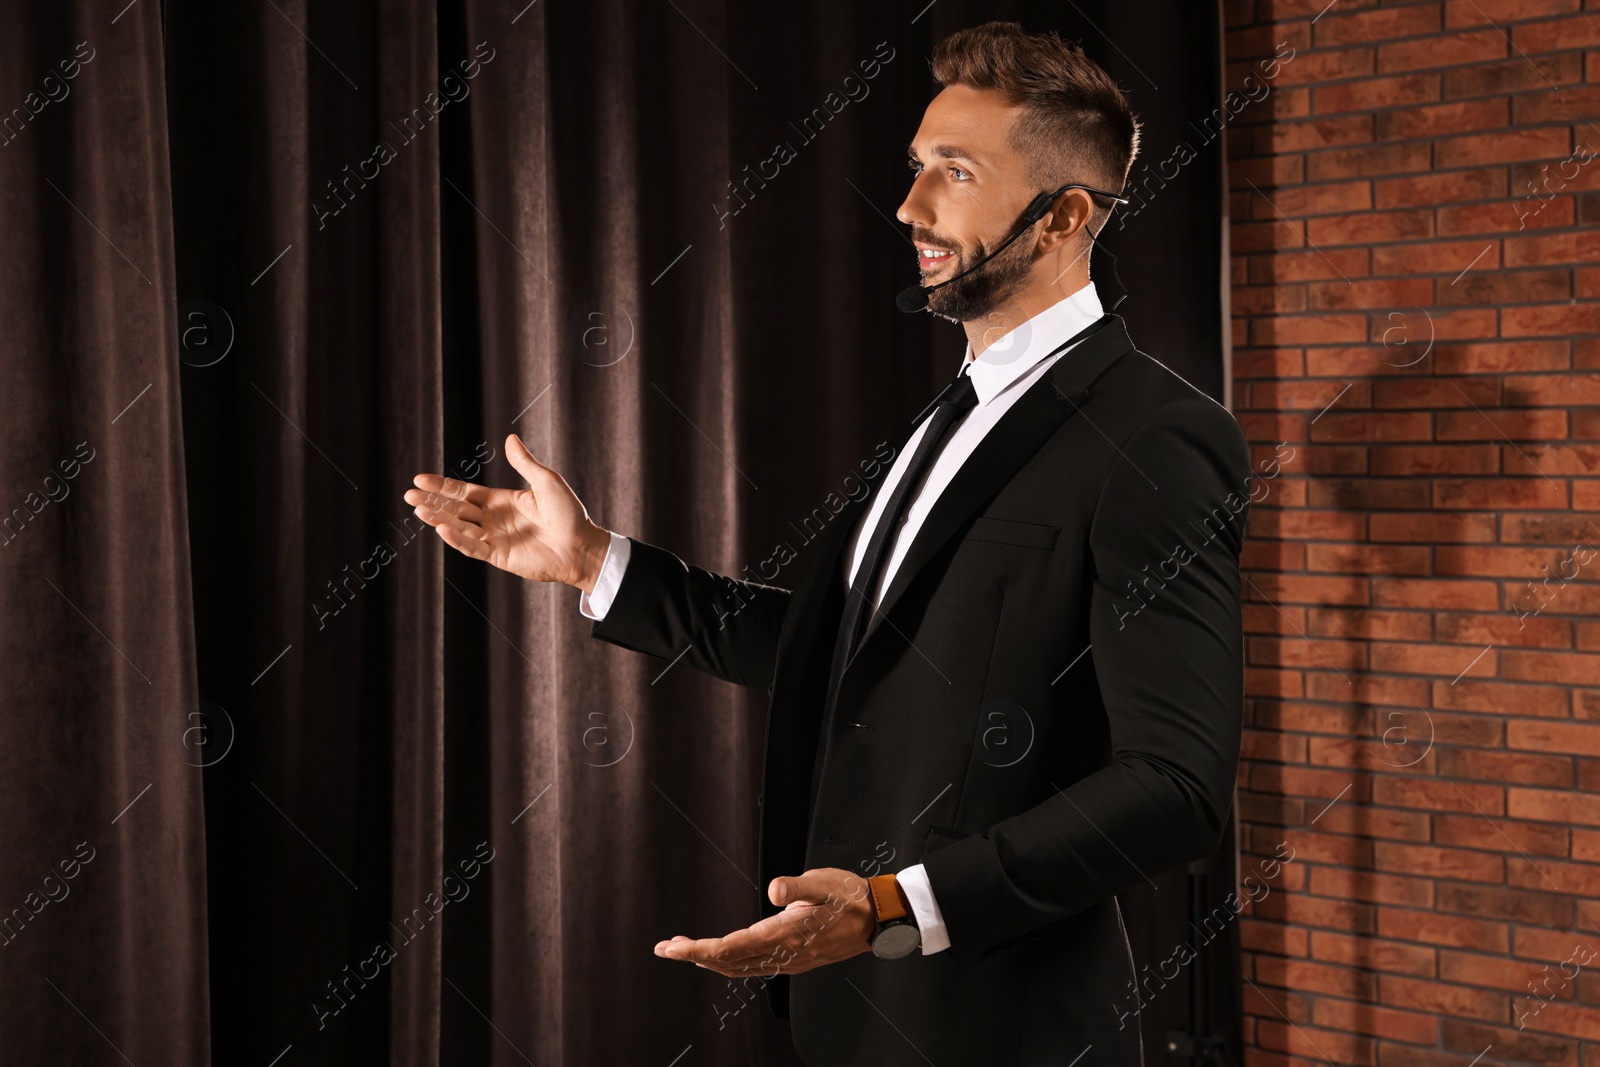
<point x="1067" y="220"/>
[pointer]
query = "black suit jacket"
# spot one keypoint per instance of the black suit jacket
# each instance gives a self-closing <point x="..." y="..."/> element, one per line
<point x="1044" y="711"/>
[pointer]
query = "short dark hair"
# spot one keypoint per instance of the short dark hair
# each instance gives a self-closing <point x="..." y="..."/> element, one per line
<point x="1075" y="125"/>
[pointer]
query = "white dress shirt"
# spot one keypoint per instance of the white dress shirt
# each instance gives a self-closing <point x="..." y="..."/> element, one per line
<point x="1003" y="373"/>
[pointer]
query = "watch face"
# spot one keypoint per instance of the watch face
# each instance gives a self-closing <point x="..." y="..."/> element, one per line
<point x="896" y="940"/>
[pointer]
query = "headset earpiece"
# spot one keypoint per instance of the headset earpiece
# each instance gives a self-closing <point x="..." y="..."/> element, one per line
<point x="1038" y="206"/>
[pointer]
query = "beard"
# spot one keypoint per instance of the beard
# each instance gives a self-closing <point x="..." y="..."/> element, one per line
<point x="986" y="288"/>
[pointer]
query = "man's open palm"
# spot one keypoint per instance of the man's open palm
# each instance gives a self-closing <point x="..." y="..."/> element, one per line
<point x="542" y="533"/>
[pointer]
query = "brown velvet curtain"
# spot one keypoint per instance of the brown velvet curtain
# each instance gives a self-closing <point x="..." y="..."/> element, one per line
<point x="102" y="858"/>
<point x="400" y="808"/>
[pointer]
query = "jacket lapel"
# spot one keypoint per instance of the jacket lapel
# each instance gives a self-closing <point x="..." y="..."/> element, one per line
<point x="1021" y="431"/>
<point x="808" y="630"/>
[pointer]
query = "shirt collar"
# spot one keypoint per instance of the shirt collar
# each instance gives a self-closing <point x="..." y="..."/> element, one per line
<point x="1010" y="357"/>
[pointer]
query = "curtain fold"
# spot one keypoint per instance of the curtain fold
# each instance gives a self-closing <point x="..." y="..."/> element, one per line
<point x="308" y="211"/>
<point x="440" y="823"/>
<point x="102" y="891"/>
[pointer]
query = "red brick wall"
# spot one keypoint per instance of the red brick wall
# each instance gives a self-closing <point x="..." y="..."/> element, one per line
<point x="1416" y="299"/>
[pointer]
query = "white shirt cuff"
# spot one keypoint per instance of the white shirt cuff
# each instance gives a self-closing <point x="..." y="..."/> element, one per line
<point x="595" y="605"/>
<point x="919" y="891"/>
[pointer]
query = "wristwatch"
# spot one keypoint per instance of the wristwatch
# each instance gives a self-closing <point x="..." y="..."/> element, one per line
<point x="897" y="934"/>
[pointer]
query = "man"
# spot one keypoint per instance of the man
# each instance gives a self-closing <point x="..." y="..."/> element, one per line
<point x="1008" y="684"/>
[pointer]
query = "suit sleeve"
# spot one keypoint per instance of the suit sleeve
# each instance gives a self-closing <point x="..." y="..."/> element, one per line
<point x="1166" y="642"/>
<point x="723" y="626"/>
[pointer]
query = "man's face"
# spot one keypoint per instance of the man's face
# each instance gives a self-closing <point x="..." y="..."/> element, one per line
<point x="969" y="189"/>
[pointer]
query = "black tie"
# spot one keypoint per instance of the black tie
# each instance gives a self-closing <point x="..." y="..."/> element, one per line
<point x="953" y="402"/>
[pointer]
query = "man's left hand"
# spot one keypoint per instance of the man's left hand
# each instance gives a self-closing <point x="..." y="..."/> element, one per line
<point x="827" y="917"/>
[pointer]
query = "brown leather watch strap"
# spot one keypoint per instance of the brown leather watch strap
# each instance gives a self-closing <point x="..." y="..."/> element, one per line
<point x="888" y="899"/>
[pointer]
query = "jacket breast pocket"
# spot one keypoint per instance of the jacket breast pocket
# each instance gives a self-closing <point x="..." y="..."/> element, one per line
<point x="938" y="837"/>
<point x="1012" y="532"/>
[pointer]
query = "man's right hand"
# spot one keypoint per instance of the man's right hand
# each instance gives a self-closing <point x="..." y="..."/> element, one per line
<point x="543" y="532"/>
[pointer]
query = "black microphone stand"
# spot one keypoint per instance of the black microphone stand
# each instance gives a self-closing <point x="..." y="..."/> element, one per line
<point x="1199" y="1044"/>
